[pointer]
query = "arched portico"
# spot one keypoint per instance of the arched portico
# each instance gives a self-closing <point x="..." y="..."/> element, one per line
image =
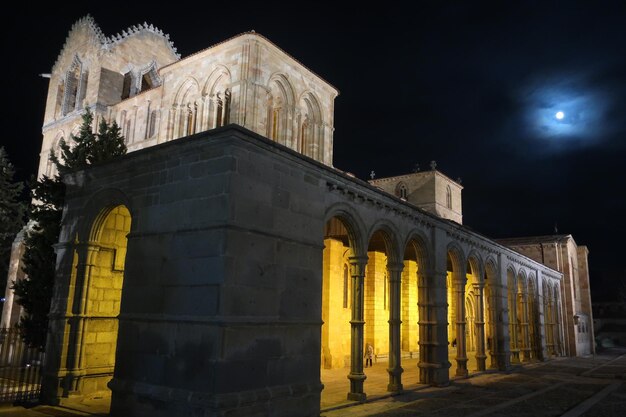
<point x="456" y="280"/>
<point x="475" y="310"/>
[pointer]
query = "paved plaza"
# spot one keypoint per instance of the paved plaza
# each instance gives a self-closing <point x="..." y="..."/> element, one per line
<point x="593" y="386"/>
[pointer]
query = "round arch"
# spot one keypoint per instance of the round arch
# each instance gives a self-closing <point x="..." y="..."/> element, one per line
<point x="219" y="77"/>
<point x="97" y="209"/>
<point x="420" y="243"/>
<point x="353" y="223"/>
<point x="390" y="236"/>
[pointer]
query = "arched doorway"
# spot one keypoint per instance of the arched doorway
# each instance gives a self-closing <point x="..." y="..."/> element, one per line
<point x="95" y="302"/>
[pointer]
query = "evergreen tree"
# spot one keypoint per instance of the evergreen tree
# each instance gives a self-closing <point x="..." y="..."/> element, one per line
<point x="12" y="210"/>
<point x="35" y="292"/>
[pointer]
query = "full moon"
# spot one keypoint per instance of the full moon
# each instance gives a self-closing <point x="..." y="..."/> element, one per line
<point x="559" y="115"/>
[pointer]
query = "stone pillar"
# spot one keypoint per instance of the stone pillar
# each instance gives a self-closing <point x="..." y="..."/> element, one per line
<point x="395" y="367"/>
<point x="502" y="325"/>
<point x="356" y="375"/>
<point x="459" y="281"/>
<point x="542" y="342"/>
<point x="525" y="345"/>
<point x="513" y="324"/>
<point x="433" y="322"/>
<point x="480" y="326"/>
<point x="75" y="356"/>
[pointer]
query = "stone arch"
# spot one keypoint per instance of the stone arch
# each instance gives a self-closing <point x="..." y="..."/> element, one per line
<point x="342" y="323"/>
<point x="185" y="108"/>
<point x="475" y="262"/>
<point x="401" y="190"/>
<point x="216" y="95"/>
<point x="353" y="223"/>
<point x="417" y="263"/>
<point x="51" y="169"/>
<point x="95" y="210"/>
<point x="280" y="109"/>
<point x="390" y="234"/>
<point x="75" y="85"/>
<point x="310" y="137"/>
<point x="148" y="77"/>
<point x="75" y="131"/>
<point x="420" y="244"/>
<point x="94" y="292"/>
<point x="455" y="289"/>
<point x="474" y="307"/>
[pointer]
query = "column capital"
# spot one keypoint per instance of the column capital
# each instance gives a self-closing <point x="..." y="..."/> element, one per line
<point x="354" y="260"/>
<point x="479" y="285"/>
<point x="395" y="266"/>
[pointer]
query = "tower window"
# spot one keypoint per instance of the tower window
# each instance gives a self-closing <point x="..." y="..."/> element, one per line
<point x="402" y="190"/>
<point x="128" y="80"/>
<point x="146" y="82"/>
<point x="449" y="197"/>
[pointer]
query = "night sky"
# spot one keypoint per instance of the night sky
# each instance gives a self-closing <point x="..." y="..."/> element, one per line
<point x="474" y="87"/>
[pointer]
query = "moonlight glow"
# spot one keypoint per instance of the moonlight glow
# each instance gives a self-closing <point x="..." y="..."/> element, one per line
<point x="559" y="115"/>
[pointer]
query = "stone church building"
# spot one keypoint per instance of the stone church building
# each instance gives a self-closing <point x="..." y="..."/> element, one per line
<point x="223" y="263"/>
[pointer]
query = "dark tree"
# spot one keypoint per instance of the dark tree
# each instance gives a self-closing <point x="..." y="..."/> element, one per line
<point x="12" y="210"/>
<point x="35" y="292"/>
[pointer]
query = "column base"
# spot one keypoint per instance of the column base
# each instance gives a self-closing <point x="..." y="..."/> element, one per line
<point x="392" y="387"/>
<point x="357" y="396"/>
<point x="481" y="362"/>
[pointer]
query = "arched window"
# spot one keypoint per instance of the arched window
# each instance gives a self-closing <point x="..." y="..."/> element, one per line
<point x="222" y="109"/>
<point x="346" y="287"/>
<point x="305" y="136"/>
<point x="275" y="123"/>
<point x="82" y="89"/>
<point x="191" y="128"/>
<point x="71" y="89"/>
<point x="152" y="124"/>
<point x="402" y="190"/>
<point x="449" y="197"/>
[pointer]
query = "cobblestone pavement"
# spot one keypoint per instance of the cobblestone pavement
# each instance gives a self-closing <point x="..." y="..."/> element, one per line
<point x="568" y="387"/>
<point x="564" y="387"/>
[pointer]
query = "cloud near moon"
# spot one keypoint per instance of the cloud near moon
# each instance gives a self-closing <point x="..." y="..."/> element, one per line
<point x="564" y="111"/>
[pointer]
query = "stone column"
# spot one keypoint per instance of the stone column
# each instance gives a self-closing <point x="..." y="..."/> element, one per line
<point x="395" y="367"/>
<point x="433" y="322"/>
<point x="356" y="375"/>
<point x="513" y="325"/>
<point x="459" y="281"/>
<point x="493" y="328"/>
<point x="503" y="344"/>
<point x="525" y="345"/>
<point x="542" y="336"/>
<point x="75" y="356"/>
<point x="480" y="326"/>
